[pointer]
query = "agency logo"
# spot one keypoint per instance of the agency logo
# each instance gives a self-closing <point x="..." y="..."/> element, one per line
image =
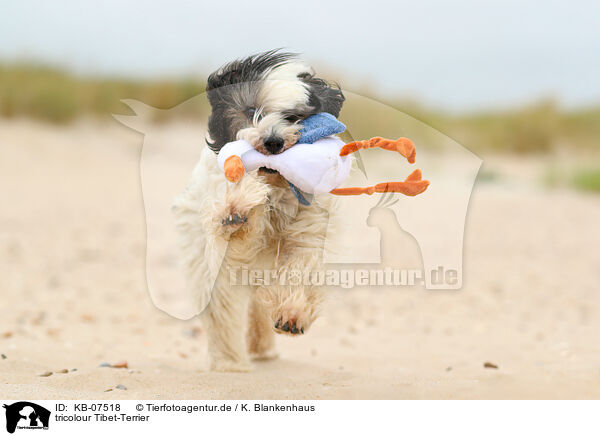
<point x="26" y="415"/>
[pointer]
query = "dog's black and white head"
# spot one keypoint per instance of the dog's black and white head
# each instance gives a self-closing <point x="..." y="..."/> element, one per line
<point x="263" y="98"/>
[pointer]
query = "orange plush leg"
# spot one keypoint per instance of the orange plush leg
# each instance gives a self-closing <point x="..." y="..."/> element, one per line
<point x="413" y="185"/>
<point x="404" y="146"/>
<point x="234" y="168"/>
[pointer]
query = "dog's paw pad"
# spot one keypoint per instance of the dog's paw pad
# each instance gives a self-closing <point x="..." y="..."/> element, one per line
<point x="289" y="326"/>
<point x="234" y="220"/>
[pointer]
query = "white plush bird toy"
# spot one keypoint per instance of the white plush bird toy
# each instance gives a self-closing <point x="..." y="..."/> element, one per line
<point x="320" y="161"/>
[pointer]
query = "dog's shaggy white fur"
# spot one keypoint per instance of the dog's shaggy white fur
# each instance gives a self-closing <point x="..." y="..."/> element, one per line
<point x="279" y="234"/>
<point x="261" y="99"/>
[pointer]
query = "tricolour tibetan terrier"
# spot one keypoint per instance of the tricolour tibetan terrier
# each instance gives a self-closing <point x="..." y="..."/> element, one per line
<point x="258" y="223"/>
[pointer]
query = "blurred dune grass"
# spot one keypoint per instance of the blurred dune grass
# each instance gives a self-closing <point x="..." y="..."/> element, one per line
<point x="57" y="96"/>
<point x="587" y="179"/>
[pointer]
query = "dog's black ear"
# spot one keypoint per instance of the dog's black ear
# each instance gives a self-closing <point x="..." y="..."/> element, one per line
<point x="217" y="129"/>
<point x="323" y="96"/>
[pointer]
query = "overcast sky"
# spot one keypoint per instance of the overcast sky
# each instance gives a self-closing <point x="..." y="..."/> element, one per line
<point x="459" y="55"/>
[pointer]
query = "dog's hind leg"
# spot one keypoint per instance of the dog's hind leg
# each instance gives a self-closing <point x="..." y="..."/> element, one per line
<point x="225" y="319"/>
<point x="260" y="337"/>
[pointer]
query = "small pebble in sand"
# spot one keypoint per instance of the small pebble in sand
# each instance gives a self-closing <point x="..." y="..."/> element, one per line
<point x="123" y="388"/>
<point x="45" y="374"/>
<point x="182" y="354"/>
<point x="490" y="365"/>
<point x="449" y="368"/>
<point x="104" y="365"/>
<point x="52" y="332"/>
<point x="108" y="390"/>
<point x="39" y="318"/>
<point x="74" y="369"/>
<point x="7" y="335"/>
<point x="121" y="364"/>
<point x="192" y="332"/>
<point x="62" y="371"/>
<point x="3" y="356"/>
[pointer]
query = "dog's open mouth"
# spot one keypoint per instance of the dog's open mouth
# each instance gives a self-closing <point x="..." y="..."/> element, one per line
<point x="267" y="170"/>
<point x="302" y="197"/>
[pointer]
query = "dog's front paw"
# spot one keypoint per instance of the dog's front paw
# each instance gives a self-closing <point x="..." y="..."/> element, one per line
<point x="234" y="220"/>
<point x="230" y="222"/>
<point x="293" y="320"/>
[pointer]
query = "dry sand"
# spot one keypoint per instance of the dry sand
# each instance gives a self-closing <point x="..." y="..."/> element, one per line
<point x="73" y="295"/>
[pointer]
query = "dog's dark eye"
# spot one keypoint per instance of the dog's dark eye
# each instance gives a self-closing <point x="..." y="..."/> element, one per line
<point x="250" y="112"/>
<point x="292" y="118"/>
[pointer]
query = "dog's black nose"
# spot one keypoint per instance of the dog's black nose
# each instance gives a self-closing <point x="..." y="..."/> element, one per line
<point x="274" y="144"/>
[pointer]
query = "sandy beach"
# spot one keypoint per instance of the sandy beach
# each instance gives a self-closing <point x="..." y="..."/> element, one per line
<point x="73" y="294"/>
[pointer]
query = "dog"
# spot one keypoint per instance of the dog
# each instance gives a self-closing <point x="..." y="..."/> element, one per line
<point x="262" y="99"/>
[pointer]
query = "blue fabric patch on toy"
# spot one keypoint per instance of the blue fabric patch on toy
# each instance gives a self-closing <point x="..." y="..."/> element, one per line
<point x="319" y="126"/>
<point x="314" y="128"/>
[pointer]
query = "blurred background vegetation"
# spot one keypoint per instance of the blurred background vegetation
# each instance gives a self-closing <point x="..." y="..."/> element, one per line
<point x="56" y="96"/>
<point x="60" y="97"/>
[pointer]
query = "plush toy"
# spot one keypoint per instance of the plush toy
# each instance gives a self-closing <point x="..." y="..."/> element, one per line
<point x="319" y="162"/>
